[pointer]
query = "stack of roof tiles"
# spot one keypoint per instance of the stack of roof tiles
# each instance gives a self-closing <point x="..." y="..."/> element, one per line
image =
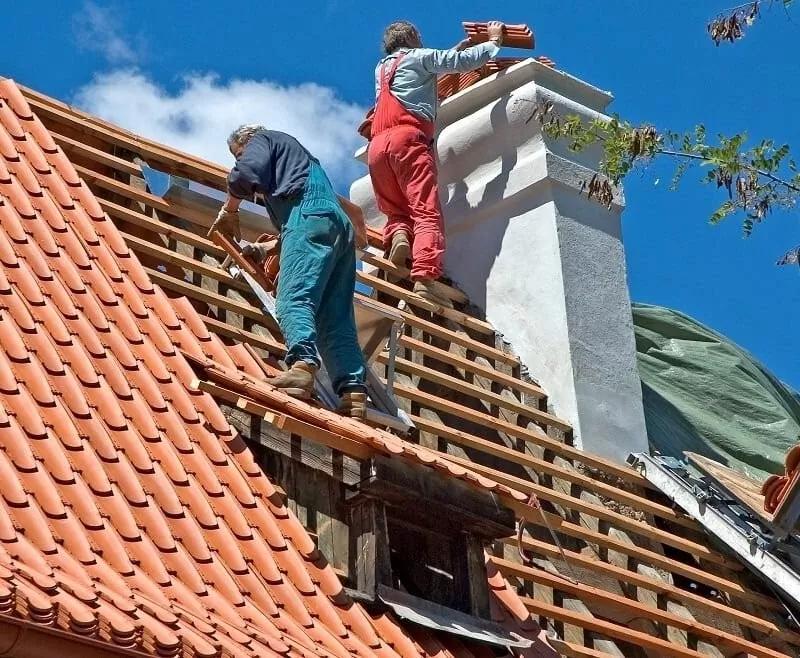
<point x="775" y="487"/>
<point x="132" y="517"/>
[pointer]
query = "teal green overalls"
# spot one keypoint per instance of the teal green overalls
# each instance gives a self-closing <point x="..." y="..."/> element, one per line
<point x="317" y="281"/>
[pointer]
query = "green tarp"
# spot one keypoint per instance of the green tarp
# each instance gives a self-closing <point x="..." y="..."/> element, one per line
<point x="705" y="394"/>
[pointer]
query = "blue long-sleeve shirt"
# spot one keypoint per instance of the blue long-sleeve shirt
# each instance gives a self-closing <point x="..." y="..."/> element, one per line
<point x="414" y="83"/>
<point x="274" y="164"/>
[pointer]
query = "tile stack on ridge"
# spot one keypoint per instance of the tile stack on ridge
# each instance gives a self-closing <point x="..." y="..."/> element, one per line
<point x="516" y="36"/>
<point x="451" y="83"/>
<point x="132" y="517"/>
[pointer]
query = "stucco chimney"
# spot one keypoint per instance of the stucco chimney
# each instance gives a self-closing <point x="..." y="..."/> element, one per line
<point x="546" y="264"/>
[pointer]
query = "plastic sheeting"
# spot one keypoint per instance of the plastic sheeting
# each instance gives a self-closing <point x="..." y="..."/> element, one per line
<point x="703" y="393"/>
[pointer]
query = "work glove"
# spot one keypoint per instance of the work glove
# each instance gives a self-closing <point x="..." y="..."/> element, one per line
<point x="227" y="223"/>
<point x="260" y="250"/>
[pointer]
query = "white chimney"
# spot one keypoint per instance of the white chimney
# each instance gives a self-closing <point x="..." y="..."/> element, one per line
<point x="546" y="264"/>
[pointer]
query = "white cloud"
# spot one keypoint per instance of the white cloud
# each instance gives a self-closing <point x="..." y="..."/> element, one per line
<point x="198" y="117"/>
<point x="98" y="29"/>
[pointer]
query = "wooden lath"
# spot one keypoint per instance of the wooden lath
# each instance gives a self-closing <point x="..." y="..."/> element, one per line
<point x="500" y="414"/>
<point x="579" y="560"/>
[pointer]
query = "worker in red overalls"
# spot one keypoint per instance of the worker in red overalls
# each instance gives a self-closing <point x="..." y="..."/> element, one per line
<point x="402" y="162"/>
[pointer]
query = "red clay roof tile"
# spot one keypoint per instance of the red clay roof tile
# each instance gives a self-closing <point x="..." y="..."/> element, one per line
<point x="8" y="151"/>
<point x="58" y="160"/>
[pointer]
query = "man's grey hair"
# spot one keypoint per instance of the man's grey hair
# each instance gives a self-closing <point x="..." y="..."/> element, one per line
<point x="244" y="134"/>
<point x="400" y="34"/>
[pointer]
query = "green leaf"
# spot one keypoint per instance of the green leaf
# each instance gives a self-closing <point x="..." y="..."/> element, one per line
<point x="678" y="175"/>
<point x="727" y="208"/>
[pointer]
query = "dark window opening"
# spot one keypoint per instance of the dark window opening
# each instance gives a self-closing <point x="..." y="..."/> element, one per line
<point x="428" y="565"/>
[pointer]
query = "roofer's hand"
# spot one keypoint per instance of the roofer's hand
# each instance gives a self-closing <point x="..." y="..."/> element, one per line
<point x="495" y="31"/>
<point x="227" y="223"/>
<point x="260" y="251"/>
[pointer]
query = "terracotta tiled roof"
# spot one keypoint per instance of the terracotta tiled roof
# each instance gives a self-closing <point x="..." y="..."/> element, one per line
<point x="131" y="512"/>
<point x="471" y="402"/>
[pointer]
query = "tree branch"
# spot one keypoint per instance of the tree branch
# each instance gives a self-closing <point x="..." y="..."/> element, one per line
<point x="694" y="156"/>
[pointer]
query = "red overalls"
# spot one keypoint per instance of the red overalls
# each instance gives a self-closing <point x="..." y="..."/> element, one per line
<point x="402" y="166"/>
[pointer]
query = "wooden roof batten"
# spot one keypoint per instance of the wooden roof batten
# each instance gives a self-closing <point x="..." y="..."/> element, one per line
<point x="466" y="395"/>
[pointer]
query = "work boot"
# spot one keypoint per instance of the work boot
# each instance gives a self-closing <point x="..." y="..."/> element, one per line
<point x="354" y="404"/>
<point x="434" y="292"/>
<point x="298" y="381"/>
<point x="400" y="249"/>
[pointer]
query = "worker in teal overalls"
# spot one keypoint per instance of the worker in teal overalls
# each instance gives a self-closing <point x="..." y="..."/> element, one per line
<point x="317" y="261"/>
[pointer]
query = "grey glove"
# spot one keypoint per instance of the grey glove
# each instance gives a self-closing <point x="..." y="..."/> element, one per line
<point x="227" y="223"/>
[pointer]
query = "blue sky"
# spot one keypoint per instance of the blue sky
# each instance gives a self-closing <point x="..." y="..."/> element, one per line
<point x="150" y="64"/>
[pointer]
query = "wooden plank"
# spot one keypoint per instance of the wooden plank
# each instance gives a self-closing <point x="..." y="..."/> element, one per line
<point x="645" y="556"/>
<point x="609" y="629"/>
<point x="142" y="246"/>
<point x="50" y="110"/>
<point x="167" y="230"/>
<point x="123" y="189"/>
<point x="426" y="399"/>
<point x="421" y="490"/>
<point x="93" y="178"/>
<point x="478" y="584"/>
<point x="748" y="491"/>
<point x="460" y="317"/>
<point x="401" y="272"/>
<point x="710" y="606"/>
<point x="72" y="146"/>
<point x="455" y="384"/>
<point x="608" y="600"/>
<point x="461" y="363"/>
<point x="540" y="439"/>
<point x="241" y="335"/>
<point x="599" y="512"/>
<point x="491" y="353"/>
<point x="313" y="454"/>
<point x="286" y="422"/>
<point x="571" y="650"/>
<point x="541" y="466"/>
<point x="171" y="160"/>
<point x="369" y="536"/>
<point x="207" y="296"/>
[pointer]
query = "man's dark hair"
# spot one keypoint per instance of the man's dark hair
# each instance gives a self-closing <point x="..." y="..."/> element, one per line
<point x="400" y="34"/>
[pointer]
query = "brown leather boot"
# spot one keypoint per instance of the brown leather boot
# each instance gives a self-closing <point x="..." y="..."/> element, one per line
<point x="354" y="404"/>
<point x="434" y="292"/>
<point x="400" y="249"/>
<point x="298" y="381"/>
